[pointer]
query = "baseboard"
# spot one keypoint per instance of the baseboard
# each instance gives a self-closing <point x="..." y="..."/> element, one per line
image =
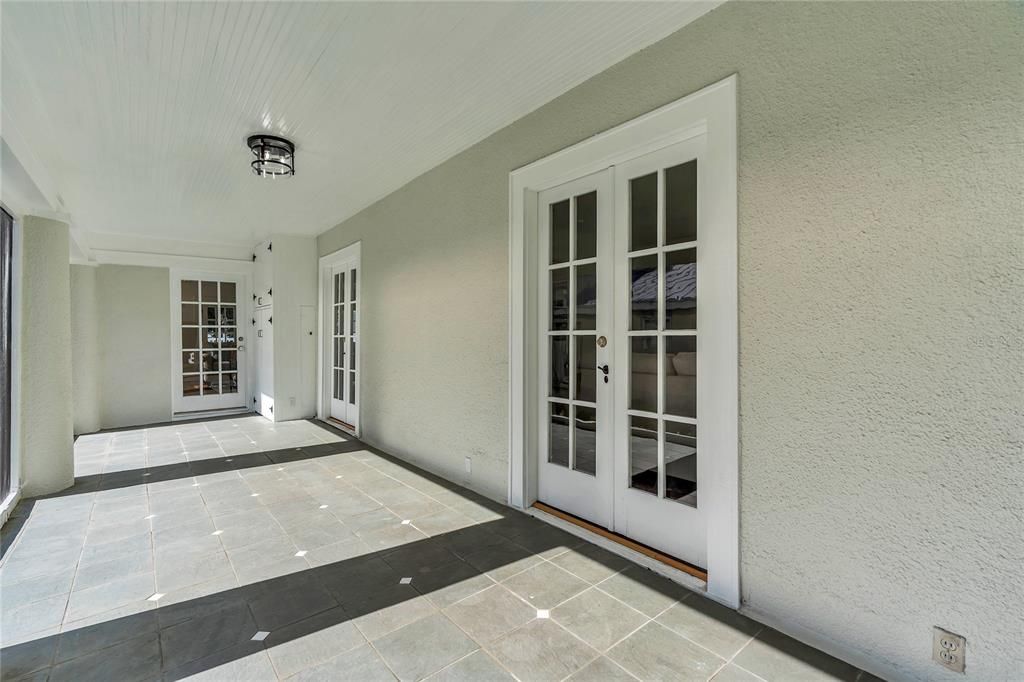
<point x="8" y="505"/>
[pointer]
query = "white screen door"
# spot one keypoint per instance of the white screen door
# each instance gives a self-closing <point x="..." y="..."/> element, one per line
<point x="619" y="354"/>
<point x="342" y="376"/>
<point x="209" y="354"/>
<point x="575" y="453"/>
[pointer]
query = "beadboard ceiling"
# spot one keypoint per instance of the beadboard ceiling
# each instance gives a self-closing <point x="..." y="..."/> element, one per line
<point x="133" y="116"/>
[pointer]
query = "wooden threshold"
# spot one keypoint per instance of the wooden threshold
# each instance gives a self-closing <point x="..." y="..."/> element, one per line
<point x="624" y="541"/>
<point x="344" y="425"/>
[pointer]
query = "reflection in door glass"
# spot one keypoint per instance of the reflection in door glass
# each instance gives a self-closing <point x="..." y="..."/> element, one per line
<point x="681" y="289"/>
<point x="189" y="290"/>
<point x="559" y="367"/>
<point x="643" y="454"/>
<point x="586" y="439"/>
<point x="559" y="299"/>
<point x="644" y="292"/>
<point x="190" y="385"/>
<point x="681" y="376"/>
<point x="643" y="212"/>
<point x="586" y="225"/>
<point x="353" y="287"/>
<point x="643" y="374"/>
<point x="586" y="368"/>
<point x="560" y="232"/>
<point x="558" y="435"/>
<point x="352" y="387"/>
<point x="586" y="296"/>
<point x="681" y="462"/>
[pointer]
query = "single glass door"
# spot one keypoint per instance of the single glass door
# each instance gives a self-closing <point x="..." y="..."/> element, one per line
<point x="344" y="343"/>
<point x="575" y="453"/>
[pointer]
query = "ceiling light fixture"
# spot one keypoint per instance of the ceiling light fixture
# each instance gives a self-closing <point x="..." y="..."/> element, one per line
<point x="275" y="156"/>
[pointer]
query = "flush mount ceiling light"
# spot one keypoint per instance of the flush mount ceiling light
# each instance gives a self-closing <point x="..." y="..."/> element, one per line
<point x="275" y="156"/>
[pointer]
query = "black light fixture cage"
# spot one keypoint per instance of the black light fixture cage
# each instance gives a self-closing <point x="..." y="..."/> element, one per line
<point x="275" y="156"/>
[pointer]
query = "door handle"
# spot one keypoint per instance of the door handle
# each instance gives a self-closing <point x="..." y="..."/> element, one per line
<point x="604" y="368"/>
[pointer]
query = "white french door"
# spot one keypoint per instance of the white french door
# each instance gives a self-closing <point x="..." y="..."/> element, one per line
<point x="621" y="363"/>
<point x="575" y="464"/>
<point x="339" y="358"/>
<point x="208" y="352"/>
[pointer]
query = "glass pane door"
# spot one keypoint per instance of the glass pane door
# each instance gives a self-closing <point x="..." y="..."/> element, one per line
<point x="344" y="336"/>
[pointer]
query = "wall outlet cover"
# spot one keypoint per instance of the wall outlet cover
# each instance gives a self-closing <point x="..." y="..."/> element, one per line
<point x="949" y="649"/>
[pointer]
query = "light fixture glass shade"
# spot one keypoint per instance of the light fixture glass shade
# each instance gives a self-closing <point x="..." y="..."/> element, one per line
<point x="275" y="156"/>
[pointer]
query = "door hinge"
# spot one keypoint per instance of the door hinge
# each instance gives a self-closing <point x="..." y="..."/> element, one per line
<point x="254" y="400"/>
<point x="254" y="297"/>
<point x="270" y="246"/>
<point x="254" y="321"/>
<point x="270" y="320"/>
<point x="254" y="258"/>
<point x="271" y="409"/>
<point x="270" y="291"/>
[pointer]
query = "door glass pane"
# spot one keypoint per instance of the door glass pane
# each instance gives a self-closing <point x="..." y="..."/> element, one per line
<point x="190" y="361"/>
<point x="353" y="287"/>
<point x="339" y="320"/>
<point x="559" y="299"/>
<point x="643" y="454"/>
<point x="189" y="313"/>
<point x="189" y="337"/>
<point x="559" y="367"/>
<point x="229" y="360"/>
<point x="681" y="462"/>
<point x="586" y="225"/>
<point x="227" y="292"/>
<point x="681" y="203"/>
<point x="352" y="319"/>
<point x="210" y="361"/>
<point x="227" y="315"/>
<point x="189" y="290"/>
<point x="643" y="374"/>
<point x="586" y="368"/>
<point x="228" y="337"/>
<point x="681" y="289"/>
<point x="190" y="385"/>
<point x="352" y="351"/>
<point x="229" y="383"/>
<point x="210" y="337"/>
<point x="209" y="292"/>
<point x="681" y="376"/>
<point x="644" y="292"/>
<point x="211" y="384"/>
<point x="558" y="435"/>
<point x="560" y="232"/>
<point x="586" y="296"/>
<point x="209" y="314"/>
<point x="338" y="386"/>
<point x="352" y="388"/>
<point x="643" y="212"/>
<point x="586" y="439"/>
<point x="339" y="353"/>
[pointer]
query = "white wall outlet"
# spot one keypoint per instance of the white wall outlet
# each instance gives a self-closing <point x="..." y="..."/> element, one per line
<point x="291" y="400"/>
<point x="469" y="465"/>
<point x="949" y="650"/>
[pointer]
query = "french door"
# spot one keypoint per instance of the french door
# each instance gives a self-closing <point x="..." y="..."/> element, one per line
<point x="209" y="352"/>
<point x="344" y="346"/>
<point x="620" y="358"/>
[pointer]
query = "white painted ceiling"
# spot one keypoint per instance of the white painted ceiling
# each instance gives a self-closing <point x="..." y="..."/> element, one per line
<point x="136" y="113"/>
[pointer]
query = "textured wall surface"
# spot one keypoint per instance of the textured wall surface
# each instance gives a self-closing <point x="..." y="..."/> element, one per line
<point x="47" y="459"/>
<point x="84" y="349"/>
<point x="134" y="365"/>
<point x="881" y="161"/>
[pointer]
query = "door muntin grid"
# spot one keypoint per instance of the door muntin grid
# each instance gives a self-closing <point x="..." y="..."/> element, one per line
<point x="209" y="338"/>
<point x="344" y="335"/>
<point x="572" y="332"/>
<point x="662" y="332"/>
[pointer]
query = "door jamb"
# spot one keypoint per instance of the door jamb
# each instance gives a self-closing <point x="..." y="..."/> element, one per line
<point x="710" y="111"/>
<point x="326" y="263"/>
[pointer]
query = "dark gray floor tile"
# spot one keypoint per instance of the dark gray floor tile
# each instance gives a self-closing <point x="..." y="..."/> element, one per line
<point x="423" y="647"/>
<point x="89" y="637"/>
<point x="774" y="656"/>
<point x="656" y="653"/>
<point x="136" y="659"/>
<point x="246" y="662"/>
<point x="541" y="650"/>
<point x="283" y="607"/>
<point x="19" y="660"/>
<point x="206" y="635"/>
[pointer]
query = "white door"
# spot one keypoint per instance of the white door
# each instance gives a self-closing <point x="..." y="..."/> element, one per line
<point x="618" y="356"/>
<point x="658" y="352"/>
<point x="343" y="349"/>
<point x="209" y="353"/>
<point x="575" y="296"/>
<point x="264" y="330"/>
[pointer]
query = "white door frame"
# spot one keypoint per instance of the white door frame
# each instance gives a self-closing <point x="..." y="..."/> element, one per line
<point x="324" y="289"/>
<point x="710" y="112"/>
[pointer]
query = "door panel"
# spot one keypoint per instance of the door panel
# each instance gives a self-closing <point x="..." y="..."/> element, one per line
<point x="341" y="364"/>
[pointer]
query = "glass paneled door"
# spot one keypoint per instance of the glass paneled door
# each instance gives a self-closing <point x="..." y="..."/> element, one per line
<point x="575" y="448"/>
<point x="658" y="347"/>
<point x="208" y="344"/>
<point x="344" y="344"/>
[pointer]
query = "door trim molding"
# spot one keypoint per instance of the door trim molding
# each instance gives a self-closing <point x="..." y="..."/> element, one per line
<point x="326" y="263"/>
<point x="712" y="112"/>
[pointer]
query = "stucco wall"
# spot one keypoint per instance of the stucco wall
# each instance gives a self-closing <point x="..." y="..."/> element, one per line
<point x="134" y="333"/>
<point x="880" y="245"/>
<point x="47" y="462"/>
<point x="84" y="349"/>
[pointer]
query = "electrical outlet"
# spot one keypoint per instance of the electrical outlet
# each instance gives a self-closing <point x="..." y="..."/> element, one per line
<point x="469" y="465"/>
<point x="291" y="400"/>
<point x="949" y="650"/>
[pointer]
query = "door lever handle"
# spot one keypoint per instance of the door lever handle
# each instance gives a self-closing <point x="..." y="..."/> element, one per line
<point x="604" y="368"/>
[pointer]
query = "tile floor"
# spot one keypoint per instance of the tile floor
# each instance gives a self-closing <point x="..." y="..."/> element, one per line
<point x="238" y="549"/>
